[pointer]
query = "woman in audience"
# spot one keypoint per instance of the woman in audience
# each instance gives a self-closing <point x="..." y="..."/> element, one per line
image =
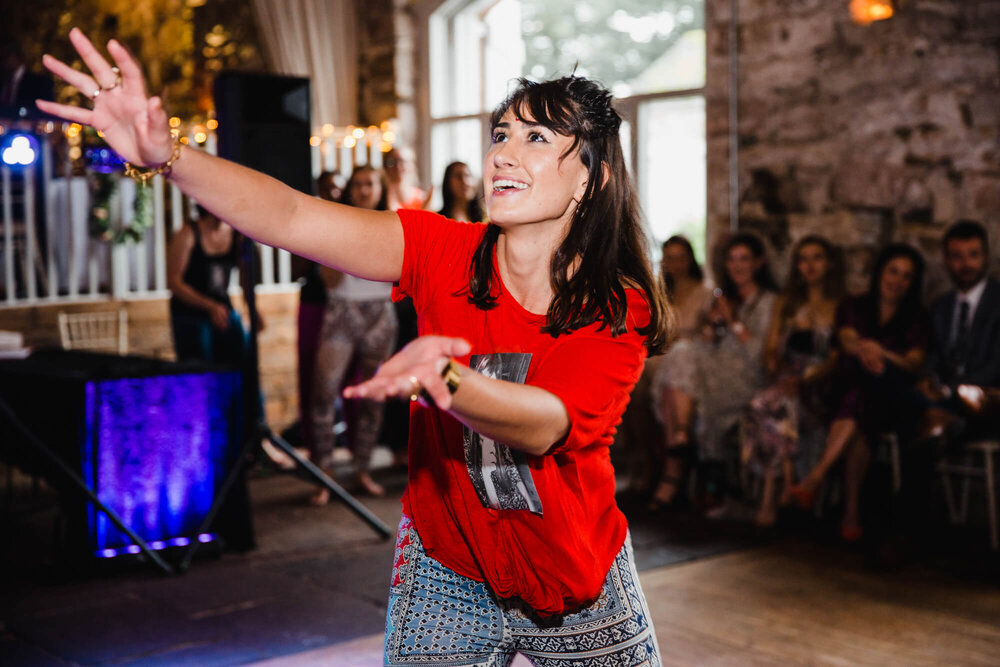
<point x="359" y="325"/>
<point x="714" y="375"/>
<point x="683" y="283"/>
<point x="200" y="260"/>
<point x="461" y="196"/>
<point x="787" y="419"/>
<point x="312" y="304"/>
<point x="882" y="338"/>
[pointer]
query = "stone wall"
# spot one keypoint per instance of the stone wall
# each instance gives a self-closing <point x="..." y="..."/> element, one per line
<point x="149" y="335"/>
<point x="862" y="133"/>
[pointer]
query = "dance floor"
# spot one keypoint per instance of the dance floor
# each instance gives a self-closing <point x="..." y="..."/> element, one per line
<point x="313" y="593"/>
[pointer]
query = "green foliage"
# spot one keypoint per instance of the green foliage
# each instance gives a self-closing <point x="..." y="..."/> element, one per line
<point x="612" y="41"/>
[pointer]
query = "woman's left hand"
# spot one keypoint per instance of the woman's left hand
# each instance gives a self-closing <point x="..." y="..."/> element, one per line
<point x="417" y="366"/>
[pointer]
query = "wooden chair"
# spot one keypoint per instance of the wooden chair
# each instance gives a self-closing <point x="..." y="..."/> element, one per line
<point x="967" y="468"/>
<point x="97" y="332"/>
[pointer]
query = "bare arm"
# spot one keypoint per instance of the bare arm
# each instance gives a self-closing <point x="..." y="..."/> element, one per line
<point x="773" y="338"/>
<point x="365" y="243"/>
<point x="522" y="417"/>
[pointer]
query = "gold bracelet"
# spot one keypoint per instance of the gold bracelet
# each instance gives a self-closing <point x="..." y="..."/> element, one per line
<point x="142" y="176"/>
<point x="451" y="375"/>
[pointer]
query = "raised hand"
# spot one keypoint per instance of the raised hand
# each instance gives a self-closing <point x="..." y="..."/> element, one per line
<point x="419" y="363"/>
<point x="135" y="126"/>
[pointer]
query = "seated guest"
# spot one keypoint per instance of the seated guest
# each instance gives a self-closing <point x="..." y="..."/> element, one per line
<point x="713" y="376"/>
<point x="461" y="196"/>
<point x="683" y="282"/>
<point x="964" y="365"/>
<point x="883" y="337"/>
<point x="788" y="419"/>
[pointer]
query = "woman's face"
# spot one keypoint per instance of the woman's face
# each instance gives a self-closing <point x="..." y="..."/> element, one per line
<point x="896" y="279"/>
<point x="741" y="265"/>
<point x="812" y="264"/>
<point x="365" y="189"/>
<point x="676" y="261"/>
<point x="525" y="176"/>
<point x="461" y="184"/>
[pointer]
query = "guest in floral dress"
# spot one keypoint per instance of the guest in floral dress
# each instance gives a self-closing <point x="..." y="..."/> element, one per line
<point x="786" y="421"/>
<point x="711" y="377"/>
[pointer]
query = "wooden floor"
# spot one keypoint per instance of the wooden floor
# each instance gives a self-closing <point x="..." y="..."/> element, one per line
<point x="791" y="604"/>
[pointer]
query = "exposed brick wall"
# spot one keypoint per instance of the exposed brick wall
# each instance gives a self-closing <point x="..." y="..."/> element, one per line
<point x="864" y="134"/>
<point x="149" y="335"/>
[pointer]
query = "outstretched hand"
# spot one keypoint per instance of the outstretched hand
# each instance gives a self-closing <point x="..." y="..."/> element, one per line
<point x="420" y="362"/>
<point x="135" y="126"/>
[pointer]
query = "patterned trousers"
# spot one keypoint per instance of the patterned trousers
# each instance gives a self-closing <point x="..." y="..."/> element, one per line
<point x="438" y="617"/>
<point x="359" y="331"/>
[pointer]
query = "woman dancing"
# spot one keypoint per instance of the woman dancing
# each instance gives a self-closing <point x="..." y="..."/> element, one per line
<point x="533" y="330"/>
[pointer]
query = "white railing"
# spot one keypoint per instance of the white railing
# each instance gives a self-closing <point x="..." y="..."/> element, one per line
<point x="48" y="254"/>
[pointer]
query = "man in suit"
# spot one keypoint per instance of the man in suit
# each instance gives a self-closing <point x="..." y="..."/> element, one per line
<point x="964" y="364"/>
<point x="958" y="397"/>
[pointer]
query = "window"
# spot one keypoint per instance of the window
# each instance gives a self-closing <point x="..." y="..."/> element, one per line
<point x="649" y="53"/>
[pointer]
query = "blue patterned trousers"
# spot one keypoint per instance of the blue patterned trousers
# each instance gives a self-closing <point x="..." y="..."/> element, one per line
<point x="440" y="618"/>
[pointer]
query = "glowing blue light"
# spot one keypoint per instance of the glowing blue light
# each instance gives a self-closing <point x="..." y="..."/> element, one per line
<point x="157" y="545"/>
<point x="204" y="538"/>
<point x="180" y="542"/>
<point x="19" y="149"/>
<point x="132" y="549"/>
<point x="107" y="553"/>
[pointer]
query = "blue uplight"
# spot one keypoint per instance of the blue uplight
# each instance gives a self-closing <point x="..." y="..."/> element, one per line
<point x="156" y="545"/>
<point x="205" y="538"/>
<point x="132" y="549"/>
<point x="18" y="149"/>
<point x="180" y="542"/>
<point x="107" y="553"/>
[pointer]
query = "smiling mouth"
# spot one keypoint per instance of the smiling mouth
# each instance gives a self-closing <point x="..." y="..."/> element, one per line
<point x="505" y="185"/>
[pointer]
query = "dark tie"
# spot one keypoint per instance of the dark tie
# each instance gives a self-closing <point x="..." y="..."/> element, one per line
<point x="960" y="346"/>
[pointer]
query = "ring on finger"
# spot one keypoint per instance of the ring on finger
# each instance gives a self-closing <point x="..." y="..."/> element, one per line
<point x="415" y="388"/>
<point x="106" y="89"/>
<point x="118" y="80"/>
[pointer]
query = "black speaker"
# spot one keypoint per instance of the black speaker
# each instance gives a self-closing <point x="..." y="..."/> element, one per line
<point x="264" y="124"/>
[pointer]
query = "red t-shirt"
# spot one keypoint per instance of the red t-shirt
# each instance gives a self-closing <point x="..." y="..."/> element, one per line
<point x="546" y="528"/>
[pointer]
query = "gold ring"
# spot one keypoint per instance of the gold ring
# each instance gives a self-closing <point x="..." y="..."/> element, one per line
<point x="415" y="391"/>
<point x="118" y="80"/>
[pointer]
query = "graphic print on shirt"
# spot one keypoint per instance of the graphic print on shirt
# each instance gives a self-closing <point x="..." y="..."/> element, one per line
<point x="500" y="474"/>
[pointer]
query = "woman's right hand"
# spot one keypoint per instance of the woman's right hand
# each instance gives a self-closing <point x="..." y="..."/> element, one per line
<point x="219" y="315"/>
<point x="133" y="125"/>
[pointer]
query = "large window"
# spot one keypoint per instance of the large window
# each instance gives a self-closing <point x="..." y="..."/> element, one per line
<point x="650" y="53"/>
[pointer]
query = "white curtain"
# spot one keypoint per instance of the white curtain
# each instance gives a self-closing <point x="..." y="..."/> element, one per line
<point x="315" y="38"/>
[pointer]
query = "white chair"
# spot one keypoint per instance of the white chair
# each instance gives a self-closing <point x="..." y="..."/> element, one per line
<point x="96" y="332"/>
<point x="985" y="450"/>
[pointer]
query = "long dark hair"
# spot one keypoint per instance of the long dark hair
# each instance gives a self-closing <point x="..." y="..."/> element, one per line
<point x="383" y="201"/>
<point x="474" y="209"/>
<point x="604" y="246"/>
<point x="797" y="291"/>
<point x="762" y="277"/>
<point x="694" y="268"/>
<point x="910" y="302"/>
